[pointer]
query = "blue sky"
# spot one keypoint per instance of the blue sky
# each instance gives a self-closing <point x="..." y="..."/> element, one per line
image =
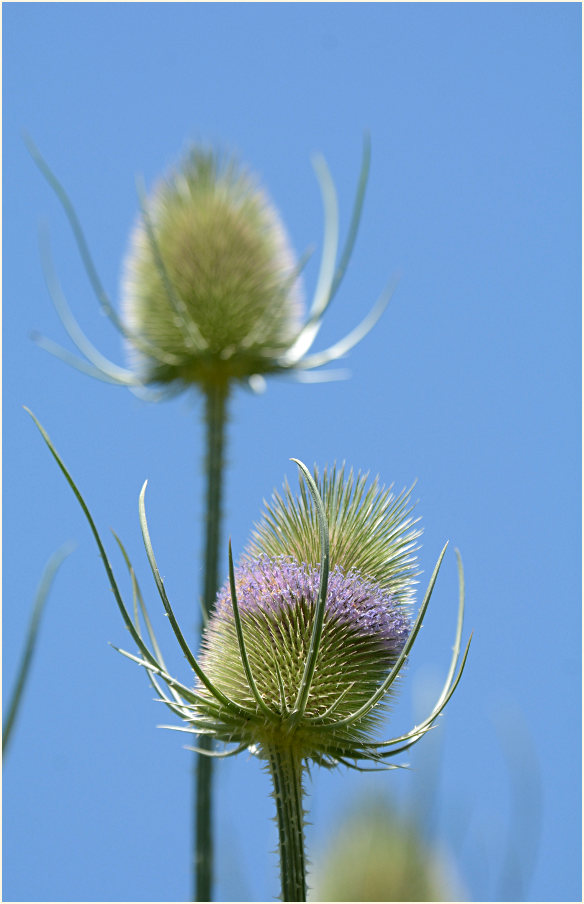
<point x="470" y="384"/>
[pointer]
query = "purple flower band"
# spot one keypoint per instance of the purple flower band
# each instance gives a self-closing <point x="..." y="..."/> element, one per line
<point x="266" y="584"/>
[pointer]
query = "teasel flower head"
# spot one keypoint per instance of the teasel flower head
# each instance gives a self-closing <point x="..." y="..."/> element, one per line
<point x="365" y="621"/>
<point x="304" y="647"/>
<point x="299" y="668"/>
<point x="310" y="635"/>
<point x="211" y="289"/>
<point x="210" y="283"/>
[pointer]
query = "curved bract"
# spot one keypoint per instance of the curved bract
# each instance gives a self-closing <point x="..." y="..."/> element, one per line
<point x="295" y="656"/>
<point x="211" y="291"/>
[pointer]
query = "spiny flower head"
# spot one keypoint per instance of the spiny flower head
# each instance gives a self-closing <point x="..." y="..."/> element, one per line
<point x="210" y="283"/>
<point x="308" y="669"/>
<point x="314" y="667"/>
<point x="366" y="617"/>
<point x="211" y="289"/>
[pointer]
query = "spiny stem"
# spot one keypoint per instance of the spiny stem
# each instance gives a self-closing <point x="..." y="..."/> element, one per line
<point x="215" y="422"/>
<point x="203" y="859"/>
<point x="286" y="771"/>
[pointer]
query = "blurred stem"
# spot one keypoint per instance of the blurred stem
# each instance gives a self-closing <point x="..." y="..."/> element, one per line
<point x="49" y="573"/>
<point x="203" y="863"/>
<point x="216" y="395"/>
<point x="286" y="770"/>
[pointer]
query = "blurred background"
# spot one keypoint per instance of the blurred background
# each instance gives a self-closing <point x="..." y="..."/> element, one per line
<point x="470" y="384"/>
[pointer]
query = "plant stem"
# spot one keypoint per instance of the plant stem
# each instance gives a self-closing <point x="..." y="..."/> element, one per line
<point x="286" y="770"/>
<point x="215" y="423"/>
<point x="204" y="855"/>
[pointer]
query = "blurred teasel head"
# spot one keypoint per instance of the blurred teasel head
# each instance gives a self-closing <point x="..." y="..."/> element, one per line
<point x="211" y="286"/>
<point x="211" y="289"/>
<point x="379" y="853"/>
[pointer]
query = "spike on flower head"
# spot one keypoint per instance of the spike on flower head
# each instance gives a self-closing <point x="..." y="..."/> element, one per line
<point x="371" y="529"/>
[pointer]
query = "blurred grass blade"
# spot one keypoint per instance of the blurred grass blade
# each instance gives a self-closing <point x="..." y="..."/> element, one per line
<point x="44" y="588"/>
